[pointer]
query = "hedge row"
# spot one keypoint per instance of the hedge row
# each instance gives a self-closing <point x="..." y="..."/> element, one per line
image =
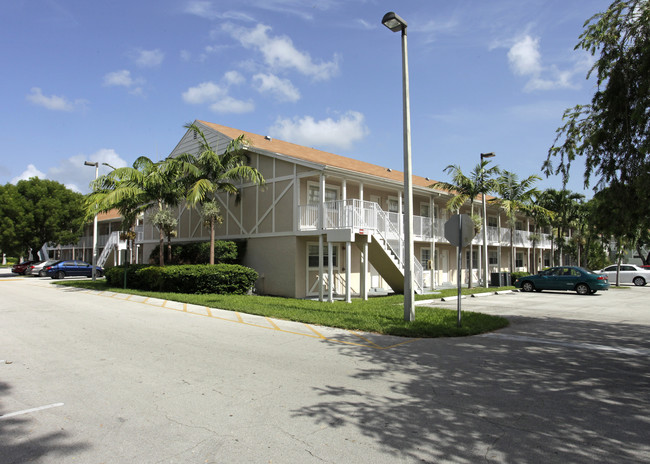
<point x="202" y="278"/>
<point x="225" y="251"/>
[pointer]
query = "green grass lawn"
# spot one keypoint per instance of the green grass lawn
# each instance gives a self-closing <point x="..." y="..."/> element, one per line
<point x="383" y="315"/>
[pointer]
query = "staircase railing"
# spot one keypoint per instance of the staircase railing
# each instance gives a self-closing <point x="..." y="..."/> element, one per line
<point x="112" y="242"/>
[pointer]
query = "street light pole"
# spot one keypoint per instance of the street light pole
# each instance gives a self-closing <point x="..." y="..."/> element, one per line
<point x="94" y="270"/>
<point x="485" y="243"/>
<point x="395" y="23"/>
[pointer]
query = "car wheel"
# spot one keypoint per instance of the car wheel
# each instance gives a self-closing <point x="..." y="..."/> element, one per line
<point x="583" y="289"/>
<point x="60" y="275"/>
<point x="42" y="273"/>
<point x="639" y="281"/>
<point x="527" y="286"/>
<point x="99" y="274"/>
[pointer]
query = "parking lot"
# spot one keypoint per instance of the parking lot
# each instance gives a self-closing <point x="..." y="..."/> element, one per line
<point x="89" y="377"/>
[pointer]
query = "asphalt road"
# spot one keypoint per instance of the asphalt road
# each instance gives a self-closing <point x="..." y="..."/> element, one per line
<point x="89" y="377"/>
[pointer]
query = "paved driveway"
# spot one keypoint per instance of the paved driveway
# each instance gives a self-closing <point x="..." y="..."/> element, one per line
<point x="87" y="377"/>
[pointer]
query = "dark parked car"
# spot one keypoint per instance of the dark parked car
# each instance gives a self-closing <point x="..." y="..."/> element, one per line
<point x="564" y="278"/>
<point x="72" y="268"/>
<point x="20" y="268"/>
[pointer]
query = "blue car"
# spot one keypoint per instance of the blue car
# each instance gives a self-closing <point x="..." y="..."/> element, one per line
<point x="572" y="278"/>
<point x="72" y="268"/>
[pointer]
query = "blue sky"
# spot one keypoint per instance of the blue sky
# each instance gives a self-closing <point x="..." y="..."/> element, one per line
<point x="110" y="81"/>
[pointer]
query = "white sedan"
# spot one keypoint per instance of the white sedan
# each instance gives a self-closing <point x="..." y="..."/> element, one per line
<point x="629" y="274"/>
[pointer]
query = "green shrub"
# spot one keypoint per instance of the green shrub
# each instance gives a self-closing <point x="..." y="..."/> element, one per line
<point x="517" y="275"/>
<point x="115" y="275"/>
<point x="225" y="251"/>
<point x="201" y="278"/>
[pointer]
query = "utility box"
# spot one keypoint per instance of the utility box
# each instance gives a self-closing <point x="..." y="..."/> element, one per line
<point x="500" y="279"/>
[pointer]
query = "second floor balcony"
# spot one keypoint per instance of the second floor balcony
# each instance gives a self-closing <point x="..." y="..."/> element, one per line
<point x="368" y="216"/>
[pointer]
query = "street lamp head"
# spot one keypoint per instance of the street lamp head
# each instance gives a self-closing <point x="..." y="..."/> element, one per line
<point x="394" y="22"/>
<point x="88" y="163"/>
<point x="488" y="155"/>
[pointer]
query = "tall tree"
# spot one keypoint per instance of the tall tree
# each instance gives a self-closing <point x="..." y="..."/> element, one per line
<point x="36" y="212"/>
<point x="565" y="205"/>
<point x="515" y="197"/>
<point x="467" y="189"/>
<point x="145" y="186"/>
<point x="542" y="218"/>
<point x="208" y="173"/>
<point x="615" y="201"/>
<point x="611" y="132"/>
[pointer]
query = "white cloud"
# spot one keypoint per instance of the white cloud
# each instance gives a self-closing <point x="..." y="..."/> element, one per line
<point x="234" y="78"/>
<point x="525" y="60"/>
<point x="53" y="102"/>
<point x="340" y="134"/>
<point x="74" y="174"/>
<point x="123" y="78"/>
<point x="229" y="104"/>
<point x="218" y="95"/>
<point x="207" y="10"/>
<point x="280" y="53"/>
<point x="186" y="55"/>
<point x="524" y="57"/>
<point x="119" y="78"/>
<point x="205" y="92"/>
<point x="147" y="58"/>
<point x="281" y="89"/>
<point x="28" y="173"/>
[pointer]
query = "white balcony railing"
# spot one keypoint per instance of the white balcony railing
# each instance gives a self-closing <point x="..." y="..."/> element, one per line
<point x="357" y="214"/>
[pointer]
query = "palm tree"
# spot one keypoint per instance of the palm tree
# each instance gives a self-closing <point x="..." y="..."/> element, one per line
<point x="133" y="190"/>
<point x="541" y="218"/>
<point x="565" y="204"/>
<point x="514" y="197"/>
<point x="208" y="173"/>
<point x="468" y="188"/>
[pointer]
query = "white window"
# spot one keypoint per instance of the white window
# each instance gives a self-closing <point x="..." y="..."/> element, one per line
<point x="425" y="257"/>
<point x="519" y="259"/>
<point x="313" y="194"/>
<point x="313" y="256"/>
<point x="425" y="210"/>
<point x="475" y="259"/>
<point x="492" y="258"/>
<point x="492" y="221"/>
<point x="393" y="205"/>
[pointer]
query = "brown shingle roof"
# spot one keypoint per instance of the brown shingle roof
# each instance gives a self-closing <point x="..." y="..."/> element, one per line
<point x="316" y="156"/>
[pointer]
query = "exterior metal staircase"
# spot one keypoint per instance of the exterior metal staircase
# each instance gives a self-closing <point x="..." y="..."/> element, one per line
<point x="113" y="242"/>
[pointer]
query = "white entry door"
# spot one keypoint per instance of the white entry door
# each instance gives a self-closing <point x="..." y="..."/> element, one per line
<point x="444" y="265"/>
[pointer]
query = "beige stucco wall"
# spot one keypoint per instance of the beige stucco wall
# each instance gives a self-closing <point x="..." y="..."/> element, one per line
<point x="274" y="258"/>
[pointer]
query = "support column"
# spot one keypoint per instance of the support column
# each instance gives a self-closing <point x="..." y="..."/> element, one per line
<point x="434" y="272"/>
<point x="348" y="265"/>
<point x="364" y="271"/>
<point x="400" y="226"/>
<point x="330" y="273"/>
<point x="320" y="268"/>
<point x="499" y="247"/>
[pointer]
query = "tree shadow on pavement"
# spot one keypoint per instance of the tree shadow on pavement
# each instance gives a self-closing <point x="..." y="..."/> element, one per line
<point x="500" y="398"/>
<point x="19" y="443"/>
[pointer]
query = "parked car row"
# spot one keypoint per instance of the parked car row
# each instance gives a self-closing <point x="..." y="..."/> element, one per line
<point x="581" y="280"/>
<point x="57" y="268"/>
<point x="628" y="274"/>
